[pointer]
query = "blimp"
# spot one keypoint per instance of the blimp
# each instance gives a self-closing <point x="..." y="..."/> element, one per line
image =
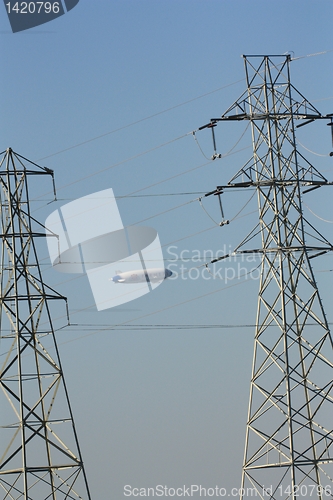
<point x="155" y="275"/>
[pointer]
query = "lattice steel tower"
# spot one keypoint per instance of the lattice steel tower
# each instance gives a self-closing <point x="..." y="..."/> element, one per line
<point x="289" y="436"/>
<point x="39" y="457"/>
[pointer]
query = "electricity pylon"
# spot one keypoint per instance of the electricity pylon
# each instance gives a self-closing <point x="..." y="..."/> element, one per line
<point x="40" y="457"/>
<point x="289" y="436"/>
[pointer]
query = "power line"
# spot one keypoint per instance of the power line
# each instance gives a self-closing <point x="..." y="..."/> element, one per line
<point x="120" y="197"/>
<point x="318" y="217"/>
<point x="175" y="305"/>
<point x="106" y="328"/>
<point x="159" y="310"/>
<point x="136" y="156"/>
<point x="165" y="308"/>
<point x="158" y="113"/>
<point x="309" y="150"/>
<point x="147" y="118"/>
<point x="237" y="216"/>
<point x="145" y="315"/>
<point x="312" y="55"/>
<point x="187" y="171"/>
<point x="92" y="327"/>
<point x="119" y="163"/>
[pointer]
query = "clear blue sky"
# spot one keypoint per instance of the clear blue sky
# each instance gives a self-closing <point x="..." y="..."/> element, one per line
<point x="159" y="406"/>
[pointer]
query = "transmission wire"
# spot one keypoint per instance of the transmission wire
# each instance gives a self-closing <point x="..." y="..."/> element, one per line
<point x="142" y="119"/>
<point x="318" y="217"/>
<point x="313" y="152"/>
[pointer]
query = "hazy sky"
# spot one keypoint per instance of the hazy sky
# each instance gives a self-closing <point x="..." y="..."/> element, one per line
<point x="107" y="96"/>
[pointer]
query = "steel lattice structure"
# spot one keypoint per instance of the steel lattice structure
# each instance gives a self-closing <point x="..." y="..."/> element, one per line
<point x="40" y="457"/>
<point x="289" y="436"/>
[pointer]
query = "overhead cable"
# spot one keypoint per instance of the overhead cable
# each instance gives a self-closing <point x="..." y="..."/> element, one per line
<point x="313" y="152"/>
<point x="141" y="120"/>
<point x="318" y="217"/>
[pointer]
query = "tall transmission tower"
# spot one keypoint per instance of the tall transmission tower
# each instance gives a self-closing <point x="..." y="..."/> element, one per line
<point x="289" y="436"/>
<point x="40" y="458"/>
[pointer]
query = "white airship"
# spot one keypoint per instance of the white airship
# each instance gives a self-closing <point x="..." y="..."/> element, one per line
<point x="155" y="275"/>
